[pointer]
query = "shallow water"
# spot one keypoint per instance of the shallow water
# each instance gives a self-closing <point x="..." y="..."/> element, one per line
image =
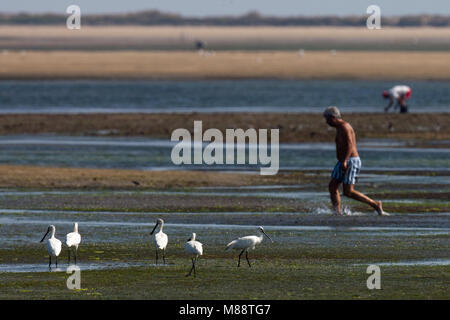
<point x="103" y="229"/>
<point x="75" y="96"/>
<point x="17" y="228"/>
<point x="63" y="267"/>
<point x="150" y="154"/>
<point x="434" y="262"/>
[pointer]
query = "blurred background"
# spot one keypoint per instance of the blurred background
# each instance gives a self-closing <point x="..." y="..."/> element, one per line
<point x="171" y="62"/>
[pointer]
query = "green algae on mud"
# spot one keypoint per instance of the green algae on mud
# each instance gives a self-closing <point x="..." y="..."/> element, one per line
<point x="230" y="201"/>
<point x="301" y="264"/>
<point x="216" y="279"/>
<point x="286" y="269"/>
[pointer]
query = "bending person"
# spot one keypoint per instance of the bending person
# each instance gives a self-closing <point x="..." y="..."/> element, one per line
<point x="399" y="95"/>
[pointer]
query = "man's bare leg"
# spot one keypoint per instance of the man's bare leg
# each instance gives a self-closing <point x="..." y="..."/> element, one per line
<point x="350" y="192"/>
<point x="333" y="187"/>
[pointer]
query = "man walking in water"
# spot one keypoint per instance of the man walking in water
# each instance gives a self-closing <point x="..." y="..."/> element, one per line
<point x="399" y="94"/>
<point x="349" y="164"/>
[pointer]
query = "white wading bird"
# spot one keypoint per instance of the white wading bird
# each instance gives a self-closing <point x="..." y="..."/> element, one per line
<point x="194" y="249"/>
<point x="246" y="243"/>
<point x="160" y="239"/>
<point x="53" y="245"/>
<point x="73" y="239"/>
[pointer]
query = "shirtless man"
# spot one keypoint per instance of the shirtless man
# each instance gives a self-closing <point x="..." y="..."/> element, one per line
<point x="399" y="95"/>
<point x="349" y="164"/>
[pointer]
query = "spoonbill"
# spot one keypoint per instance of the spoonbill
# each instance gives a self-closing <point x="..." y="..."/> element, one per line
<point x="73" y="239"/>
<point x="194" y="249"/>
<point x="53" y="245"/>
<point x="246" y="243"/>
<point x="160" y="239"/>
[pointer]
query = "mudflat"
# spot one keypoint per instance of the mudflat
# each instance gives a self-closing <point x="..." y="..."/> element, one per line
<point x="294" y="127"/>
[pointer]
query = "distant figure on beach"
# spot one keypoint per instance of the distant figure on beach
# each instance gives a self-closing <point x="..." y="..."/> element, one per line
<point x="349" y="163"/>
<point x="200" y="45"/>
<point x="398" y="94"/>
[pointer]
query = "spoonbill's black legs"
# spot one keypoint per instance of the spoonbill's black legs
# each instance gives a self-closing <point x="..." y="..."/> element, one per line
<point x="164" y="256"/>
<point x="194" y="260"/>
<point x="49" y="262"/>
<point x="246" y="257"/>
<point x="190" y="271"/>
<point x="240" y="254"/>
<point x="75" y="254"/>
<point x="56" y="261"/>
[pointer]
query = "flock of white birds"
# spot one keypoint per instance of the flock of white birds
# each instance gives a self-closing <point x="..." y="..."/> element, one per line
<point x="192" y="247"/>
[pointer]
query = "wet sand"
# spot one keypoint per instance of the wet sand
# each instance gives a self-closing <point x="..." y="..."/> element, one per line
<point x="381" y="65"/>
<point x="223" y="38"/>
<point x="90" y="190"/>
<point x="12" y="176"/>
<point x="16" y="176"/>
<point x="294" y="127"/>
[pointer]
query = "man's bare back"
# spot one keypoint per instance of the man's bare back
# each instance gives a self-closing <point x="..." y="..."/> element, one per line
<point x="345" y="142"/>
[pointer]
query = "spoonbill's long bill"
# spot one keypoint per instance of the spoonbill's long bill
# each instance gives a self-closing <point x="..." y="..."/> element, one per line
<point x="73" y="240"/>
<point x="160" y="239"/>
<point x="246" y="243"/>
<point x="193" y="249"/>
<point x="53" y="245"/>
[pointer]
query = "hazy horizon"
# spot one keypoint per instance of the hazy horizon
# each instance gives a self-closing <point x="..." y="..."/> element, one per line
<point x="201" y="8"/>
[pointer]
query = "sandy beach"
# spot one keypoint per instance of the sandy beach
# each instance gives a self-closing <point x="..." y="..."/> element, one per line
<point x="396" y="65"/>
<point x="293" y="38"/>
<point x="168" y="52"/>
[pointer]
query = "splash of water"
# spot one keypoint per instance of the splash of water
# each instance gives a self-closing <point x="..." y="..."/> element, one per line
<point x="325" y="210"/>
<point x="320" y="209"/>
<point x="346" y="211"/>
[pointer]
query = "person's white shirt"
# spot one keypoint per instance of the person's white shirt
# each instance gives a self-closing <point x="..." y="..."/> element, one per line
<point x="399" y="91"/>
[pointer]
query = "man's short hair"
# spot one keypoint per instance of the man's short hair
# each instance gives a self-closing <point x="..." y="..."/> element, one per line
<point x="332" y="112"/>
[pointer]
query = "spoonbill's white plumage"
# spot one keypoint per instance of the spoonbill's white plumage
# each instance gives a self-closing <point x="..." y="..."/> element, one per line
<point x="246" y="243"/>
<point x="53" y="245"/>
<point x="73" y="240"/>
<point x="193" y="249"/>
<point x="160" y="239"/>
